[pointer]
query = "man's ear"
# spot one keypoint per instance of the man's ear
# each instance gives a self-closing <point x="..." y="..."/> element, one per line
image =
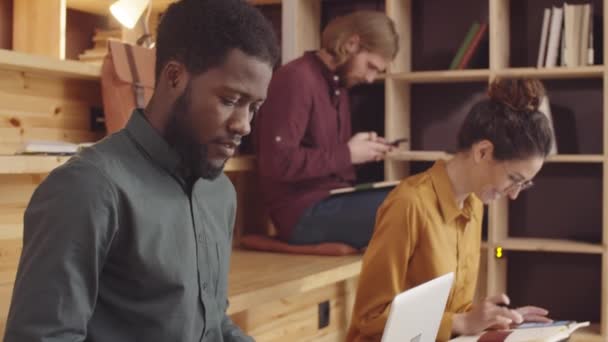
<point x="483" y="151"/>
<point x="353" y="44"/>
<point x="175" y="76"/>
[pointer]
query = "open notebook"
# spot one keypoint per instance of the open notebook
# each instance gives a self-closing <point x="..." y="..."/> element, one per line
<point x="528" y="332"/>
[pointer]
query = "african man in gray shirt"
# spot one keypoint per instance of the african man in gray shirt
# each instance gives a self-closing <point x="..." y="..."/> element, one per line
<point x="130" y="240"/>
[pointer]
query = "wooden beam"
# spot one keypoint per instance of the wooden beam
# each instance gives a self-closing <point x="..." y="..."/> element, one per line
<point x="301" y="25"/>
<point x="39" y="27"/>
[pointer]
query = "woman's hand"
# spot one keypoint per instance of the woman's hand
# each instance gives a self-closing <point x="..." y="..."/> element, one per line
<point x="487" y="314"/>
<point x="534" y="314"/>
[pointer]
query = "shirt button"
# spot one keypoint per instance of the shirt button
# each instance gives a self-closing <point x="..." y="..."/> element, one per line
<point x="336" y="78"/>
<point x="205" y="286"/>
<point x="337" y="92"/>
<point x="277" y="138"/>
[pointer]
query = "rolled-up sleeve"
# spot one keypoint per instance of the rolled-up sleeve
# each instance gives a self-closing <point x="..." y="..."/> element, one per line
<point x="68" y="228"/>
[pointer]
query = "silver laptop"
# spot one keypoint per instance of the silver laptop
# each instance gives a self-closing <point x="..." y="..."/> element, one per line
<point x="415" y="314"/>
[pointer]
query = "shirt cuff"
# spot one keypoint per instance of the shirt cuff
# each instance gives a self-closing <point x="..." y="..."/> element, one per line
<point x="342" y="158"/>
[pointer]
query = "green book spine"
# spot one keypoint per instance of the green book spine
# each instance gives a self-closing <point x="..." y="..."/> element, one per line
<point x="465" y="44"/>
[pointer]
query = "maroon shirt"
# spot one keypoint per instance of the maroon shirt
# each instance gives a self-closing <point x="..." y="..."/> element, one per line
<point x="301" y="135"/>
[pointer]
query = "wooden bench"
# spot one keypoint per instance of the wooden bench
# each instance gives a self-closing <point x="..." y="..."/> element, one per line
<point x="277" y="297"/>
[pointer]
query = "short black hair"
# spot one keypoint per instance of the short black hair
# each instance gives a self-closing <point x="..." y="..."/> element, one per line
<point x="201" y="33"/>
<point x="511" y="120"/>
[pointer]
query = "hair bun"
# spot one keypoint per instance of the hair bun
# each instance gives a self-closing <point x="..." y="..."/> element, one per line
<point x="521" y="95"/>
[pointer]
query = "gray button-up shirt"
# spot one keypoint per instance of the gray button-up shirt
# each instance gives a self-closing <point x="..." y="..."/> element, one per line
<point x="117" y="248"/>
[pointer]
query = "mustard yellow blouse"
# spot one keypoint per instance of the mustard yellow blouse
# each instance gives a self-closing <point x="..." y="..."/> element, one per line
<point x="420" y="233"/>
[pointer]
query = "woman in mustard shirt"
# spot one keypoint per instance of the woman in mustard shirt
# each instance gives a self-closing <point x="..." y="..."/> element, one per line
<point x="430" y="224"/>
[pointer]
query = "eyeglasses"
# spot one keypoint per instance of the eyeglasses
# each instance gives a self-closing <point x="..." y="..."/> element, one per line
<point x="517" y="182"/>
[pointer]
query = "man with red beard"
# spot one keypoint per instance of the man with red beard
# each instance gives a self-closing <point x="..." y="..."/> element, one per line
<point x="303" y="137"/>
<point x="130" y="240"/>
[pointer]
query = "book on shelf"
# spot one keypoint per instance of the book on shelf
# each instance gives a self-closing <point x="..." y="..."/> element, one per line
<point x="48" y="147"/>
<point x="528" y="332"/>
<point x="473" y="47"/>
<point x="545" y="108"/>
<point x="468" y="38"/>
<point x="542" y="48"/>
<point x="567" y="36"/>
<point x="554" y="36"/>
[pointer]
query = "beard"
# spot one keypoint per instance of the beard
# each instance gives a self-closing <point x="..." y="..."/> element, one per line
<point x="343" y="71"/>
<point x="180" y="135"/>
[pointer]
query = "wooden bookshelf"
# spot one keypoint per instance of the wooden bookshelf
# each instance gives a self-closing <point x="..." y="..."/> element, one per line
<point x="426" y="102"/>
<point x="548" y="245"/>
<point x="26" y="164"/>
<point x="41" y="65"/>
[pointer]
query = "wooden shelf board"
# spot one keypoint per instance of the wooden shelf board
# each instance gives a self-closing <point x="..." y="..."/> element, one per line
<point x="576" y="158"/>
<point x="254" y="280"/>
<point x="592" y="71"/>
<point x="418" y="155"/>
<point x="443" y="76"/>
<point x="435" y="155"/>
<point x="102" y="7"/>
<point x="17" y="164"/>
<point x="588" y="334"/>
<point x="30" y="164"/>
<point x="550" y="245"/>
<point x="34" y="64"/>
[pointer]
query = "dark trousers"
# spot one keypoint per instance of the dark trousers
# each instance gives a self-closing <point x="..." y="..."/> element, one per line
<point x="347" y="218"/>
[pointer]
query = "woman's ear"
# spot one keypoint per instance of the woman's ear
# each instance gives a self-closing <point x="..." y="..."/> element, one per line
<point x="483" y="151"/>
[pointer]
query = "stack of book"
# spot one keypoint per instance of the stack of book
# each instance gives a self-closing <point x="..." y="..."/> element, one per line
<point x="567" y="36"/>
<point x="100" y="46"/>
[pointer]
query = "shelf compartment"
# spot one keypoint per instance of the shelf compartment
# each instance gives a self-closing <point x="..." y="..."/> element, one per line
<point x="439" y="28"/>
<point x="526" y="18"/>
<point x="568" y="285"/>
<point x="565" y="204"/>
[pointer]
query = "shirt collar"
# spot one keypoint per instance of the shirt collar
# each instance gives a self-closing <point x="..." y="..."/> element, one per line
<point x="152" y="143"/>
<point x="332" y="78"/>
<point x="446" y="197"/>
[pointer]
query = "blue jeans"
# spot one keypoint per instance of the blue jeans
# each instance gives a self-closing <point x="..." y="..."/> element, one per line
<point x="347" y="218"/>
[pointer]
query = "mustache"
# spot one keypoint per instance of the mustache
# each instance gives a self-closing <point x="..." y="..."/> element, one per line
<point x="234" y="140"/>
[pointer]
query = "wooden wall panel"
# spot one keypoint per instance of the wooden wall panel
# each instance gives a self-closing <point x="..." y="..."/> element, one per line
<point x="41" y="108"/>
<point x="296" y="318"/>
